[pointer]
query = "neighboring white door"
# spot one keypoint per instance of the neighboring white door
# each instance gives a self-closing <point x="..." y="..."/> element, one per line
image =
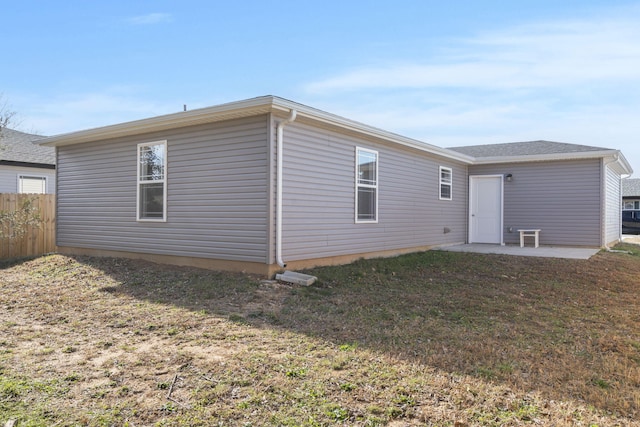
<point x="485" y="209"/>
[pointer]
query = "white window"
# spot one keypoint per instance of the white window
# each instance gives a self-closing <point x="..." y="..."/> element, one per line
<point x="152" y="181"/>
<point x="366" y="185"/>
<point x="32" y="184"/>
<point x="446" y="183"/>
<point x="630" y="205"/>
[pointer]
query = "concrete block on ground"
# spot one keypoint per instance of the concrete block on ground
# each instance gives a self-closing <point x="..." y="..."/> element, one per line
<point x="296" y="278"/>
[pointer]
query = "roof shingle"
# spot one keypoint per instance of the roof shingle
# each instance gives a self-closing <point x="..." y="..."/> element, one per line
<point x="527" y="148"/>
<point x="631" y="187"/>
<point x="16" y="146"/>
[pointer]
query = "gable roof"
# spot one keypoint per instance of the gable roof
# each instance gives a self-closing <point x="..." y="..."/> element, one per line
<point x="529" y="151"/>
<point x="246" y="108"/>
<point x="631" y="187"/>
<point x="19" y="147"/>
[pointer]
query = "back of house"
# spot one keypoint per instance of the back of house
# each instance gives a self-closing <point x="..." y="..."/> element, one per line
<point x="265" y="183"/>
<point x="570" y="192"/>
<point x="201" y="188"/>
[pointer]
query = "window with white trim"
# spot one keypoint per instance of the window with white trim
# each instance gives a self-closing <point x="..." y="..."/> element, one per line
<point x="152" y="181"/>
<point x="366" y="185"/>
<point x="32" y="184"/>
<point x="446" y="183"/>
<point x="630" y="205"/>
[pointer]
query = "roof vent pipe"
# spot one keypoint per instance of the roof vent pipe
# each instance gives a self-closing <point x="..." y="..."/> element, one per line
<point x="279" y="160"/>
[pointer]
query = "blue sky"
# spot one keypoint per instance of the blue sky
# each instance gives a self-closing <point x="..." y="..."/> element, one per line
<point x="448" y="73"/>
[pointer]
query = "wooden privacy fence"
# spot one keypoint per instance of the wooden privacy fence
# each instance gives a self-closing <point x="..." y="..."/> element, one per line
<point x="27" y="225"/>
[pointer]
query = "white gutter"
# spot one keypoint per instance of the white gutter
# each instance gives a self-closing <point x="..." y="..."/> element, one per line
<point x="616" y="155"/>
<point x="624" y="163"/>
<point x="279" y="160"/>
<point x="361" y="128"/>
<point x="232" y="110"/>
<point x="543" y="157"/>
<point x="239" y="109"/>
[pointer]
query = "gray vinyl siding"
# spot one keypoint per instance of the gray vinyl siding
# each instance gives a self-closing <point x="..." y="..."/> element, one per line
<point x="9" y="176"/>
<point x="217" y="177"/>
<point x="319" y="197"/>
<point x="613" y="208"/>
<point x="563" y="198"/>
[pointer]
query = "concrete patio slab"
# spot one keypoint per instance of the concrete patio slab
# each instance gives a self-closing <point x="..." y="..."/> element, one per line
<point x="541" y="251"/>
<point x="631" y="238"/>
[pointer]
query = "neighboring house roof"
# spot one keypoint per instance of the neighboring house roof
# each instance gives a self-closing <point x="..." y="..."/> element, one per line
<point x="631" y="187"/>
<point x="19" y="148"/>
<point x="541" y="151"/>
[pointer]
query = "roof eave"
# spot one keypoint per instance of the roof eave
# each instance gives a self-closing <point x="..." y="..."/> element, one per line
<point x="623" y="164"/>
<point x="238" y="109"/>
<point x="159" y="123"/>
<point x="335" y="120"/>
<point x="37" y="165"/>
<point x="616" y="155"/>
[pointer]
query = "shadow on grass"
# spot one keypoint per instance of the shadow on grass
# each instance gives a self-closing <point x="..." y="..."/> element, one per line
<point x="12" y="262"/>
<point x="565" y="328"/>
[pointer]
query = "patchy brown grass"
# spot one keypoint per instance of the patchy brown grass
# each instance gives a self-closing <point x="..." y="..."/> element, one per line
<point x="435" y="338"/>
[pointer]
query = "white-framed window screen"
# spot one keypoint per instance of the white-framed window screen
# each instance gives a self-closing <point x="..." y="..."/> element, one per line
<point x="630" y="205"/>
<point x="32" y="184"/>
<point x="152" y="181"/>
<point x="366" y="185"/>
<point x="446" y="183"/>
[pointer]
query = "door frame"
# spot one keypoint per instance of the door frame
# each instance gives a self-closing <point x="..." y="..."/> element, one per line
<point x="470" y="204"/>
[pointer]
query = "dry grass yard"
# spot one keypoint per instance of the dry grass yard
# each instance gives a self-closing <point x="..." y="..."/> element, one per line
<point x="429" y="339"/>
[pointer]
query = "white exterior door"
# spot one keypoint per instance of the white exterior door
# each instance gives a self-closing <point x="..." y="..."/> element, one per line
<point x="485" y="209"/>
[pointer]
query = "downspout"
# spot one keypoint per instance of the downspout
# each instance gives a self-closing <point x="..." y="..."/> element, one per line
<point x="621" y="208"/>
<point x="279" y="160"/>
<point x="604" y="192"/>
<point x="604" y="203"/>
<point x="616" y="159"/>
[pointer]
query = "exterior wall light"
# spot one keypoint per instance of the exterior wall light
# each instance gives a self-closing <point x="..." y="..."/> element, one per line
<point x="509" y="177"/>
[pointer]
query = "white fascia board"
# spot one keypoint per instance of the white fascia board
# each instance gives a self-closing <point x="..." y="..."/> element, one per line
<point x="254" y="106"/>
<point x="341" y="122"/>
<point x="624" y="164"/>
<point x="238" y="109"/>
<point x="615" y="155"/>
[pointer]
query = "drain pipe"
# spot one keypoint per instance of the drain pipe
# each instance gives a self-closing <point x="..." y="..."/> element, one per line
<point x="279" y="160"/>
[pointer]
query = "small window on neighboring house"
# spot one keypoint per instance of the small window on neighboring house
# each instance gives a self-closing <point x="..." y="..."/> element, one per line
<point x="366" y="185"/>
<point x="446" y="183"/>
<point x="32" y="184"/>
<point x="152" y="181"/>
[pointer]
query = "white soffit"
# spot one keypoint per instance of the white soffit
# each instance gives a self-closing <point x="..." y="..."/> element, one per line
<point x="614" y="155"/>
<point x="240" y="109"/>
<point x="159" y="123"/>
